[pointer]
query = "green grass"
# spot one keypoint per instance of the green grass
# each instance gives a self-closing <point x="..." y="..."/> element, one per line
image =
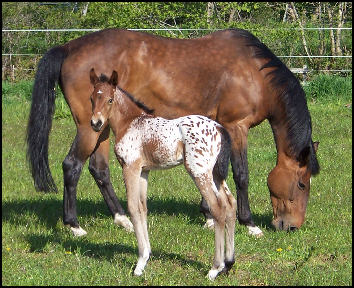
<point x="38" y="250"/>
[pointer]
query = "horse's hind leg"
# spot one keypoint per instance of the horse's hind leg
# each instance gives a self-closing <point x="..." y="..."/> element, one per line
<point x="72" y="167"/>
<point x="204" y="208"/>
<point x="99" y="169"/>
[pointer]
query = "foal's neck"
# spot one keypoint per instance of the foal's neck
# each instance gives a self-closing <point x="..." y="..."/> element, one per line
<point x="124" y="112"/>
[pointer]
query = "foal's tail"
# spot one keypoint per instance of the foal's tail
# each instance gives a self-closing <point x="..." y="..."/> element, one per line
<point x="40" y="118"/>
<point x="221" y="167"/>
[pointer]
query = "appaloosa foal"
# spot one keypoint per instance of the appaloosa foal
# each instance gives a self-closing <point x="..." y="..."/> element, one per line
<point x="144" y="142"/>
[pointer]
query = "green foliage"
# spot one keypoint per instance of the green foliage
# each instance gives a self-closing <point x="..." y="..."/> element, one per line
<point x="329" y="88"/>
<point x="264" y="19"/>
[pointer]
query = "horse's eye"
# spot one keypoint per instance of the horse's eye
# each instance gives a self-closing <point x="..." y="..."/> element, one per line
<point x="110" y="101"/>
<point x="301" y="185"/>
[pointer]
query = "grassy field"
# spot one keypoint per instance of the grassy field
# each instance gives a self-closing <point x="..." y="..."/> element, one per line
<point x="38" y="250"/>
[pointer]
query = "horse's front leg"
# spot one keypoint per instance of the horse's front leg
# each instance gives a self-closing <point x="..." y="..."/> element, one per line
<point x="99" y="169"/>
<point x="137" y="210"/>
<point x="240" y="174"/>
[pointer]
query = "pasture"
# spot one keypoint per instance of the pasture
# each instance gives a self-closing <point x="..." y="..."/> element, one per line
<point x="38" y="250"/>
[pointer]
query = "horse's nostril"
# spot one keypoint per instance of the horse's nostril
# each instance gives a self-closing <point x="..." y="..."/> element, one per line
<point x="293" y="228"/>
<point x="99" y="123"/>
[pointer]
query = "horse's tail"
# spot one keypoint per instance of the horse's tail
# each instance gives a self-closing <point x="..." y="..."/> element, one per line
<point x="40" y="118"/>
<point x="221" y="167"/>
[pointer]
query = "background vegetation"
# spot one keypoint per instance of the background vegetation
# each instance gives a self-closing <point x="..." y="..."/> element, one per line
<point x="38" y="250"/>
<point x="283" y="26"/>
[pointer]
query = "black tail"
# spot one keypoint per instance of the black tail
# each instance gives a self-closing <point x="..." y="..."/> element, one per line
<point x="221" y="167"/>
<point x="40" y="119"/>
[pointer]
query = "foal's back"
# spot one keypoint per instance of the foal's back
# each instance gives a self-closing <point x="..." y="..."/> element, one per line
<point x="160" y="143"/>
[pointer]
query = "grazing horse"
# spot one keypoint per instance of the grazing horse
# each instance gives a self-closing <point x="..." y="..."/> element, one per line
<point x="229" y="76"/>
<point x="144" y="142"/>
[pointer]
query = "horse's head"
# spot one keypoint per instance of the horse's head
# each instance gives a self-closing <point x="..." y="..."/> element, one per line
<point x="102" y="98"/>
<point x="289" y="186"/>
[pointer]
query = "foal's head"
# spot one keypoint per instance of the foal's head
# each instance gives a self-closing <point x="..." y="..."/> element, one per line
<point x="102" y="98"/>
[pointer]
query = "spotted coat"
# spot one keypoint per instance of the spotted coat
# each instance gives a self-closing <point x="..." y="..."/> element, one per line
<point x="166" y="143"/>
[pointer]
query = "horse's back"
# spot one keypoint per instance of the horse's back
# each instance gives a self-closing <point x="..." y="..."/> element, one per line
<point x="175" y="77"/>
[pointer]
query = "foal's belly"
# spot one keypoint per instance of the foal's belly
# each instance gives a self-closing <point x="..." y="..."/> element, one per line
<point x="162" y="144"/>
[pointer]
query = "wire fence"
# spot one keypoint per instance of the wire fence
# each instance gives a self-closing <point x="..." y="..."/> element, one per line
<point x="18" y="65"/>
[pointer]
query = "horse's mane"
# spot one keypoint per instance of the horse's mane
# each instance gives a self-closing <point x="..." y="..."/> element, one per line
<point x="291" y="94"/>
<point x="104" y="78"/>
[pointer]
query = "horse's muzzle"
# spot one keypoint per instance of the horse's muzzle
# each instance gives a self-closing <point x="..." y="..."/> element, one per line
<point x="96" y="124"/>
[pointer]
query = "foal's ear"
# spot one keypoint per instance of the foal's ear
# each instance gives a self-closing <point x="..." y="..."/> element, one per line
<point x="114" y="78"/>
<point x="93" y="77"/>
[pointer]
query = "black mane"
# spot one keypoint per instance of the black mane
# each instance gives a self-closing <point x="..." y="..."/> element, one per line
<point x="291" y="94"/>
<point x="137" y="102"/>
<point x="104" y="78"/>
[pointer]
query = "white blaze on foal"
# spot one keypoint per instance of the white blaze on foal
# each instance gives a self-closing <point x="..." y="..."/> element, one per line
<point x="144" y="142"/>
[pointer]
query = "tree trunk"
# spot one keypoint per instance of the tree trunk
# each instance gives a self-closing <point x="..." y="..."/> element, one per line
<point x="296" y="18"/>
<point x="341" y="18"/>
<point x="331" y="33"/>
<point x="85" y="8"/>
<point x="210" y="11"/>
<point x="285" y="13"/>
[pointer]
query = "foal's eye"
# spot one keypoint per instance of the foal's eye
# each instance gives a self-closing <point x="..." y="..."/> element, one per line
<point x="301" y="185"/>
<point x="110" y="101"/>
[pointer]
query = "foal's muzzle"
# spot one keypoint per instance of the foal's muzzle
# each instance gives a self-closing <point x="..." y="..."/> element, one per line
<point x="96" y="124"/>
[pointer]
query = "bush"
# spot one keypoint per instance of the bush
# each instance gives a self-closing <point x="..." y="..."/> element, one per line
<point x="329" y="88"/>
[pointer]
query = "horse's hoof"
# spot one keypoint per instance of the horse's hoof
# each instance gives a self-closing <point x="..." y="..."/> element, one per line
<point x="255" y="231"/>
<point x="212" y="274"/>
<point x="78" y="232"/>
<point x="209" y="224"/>
<point x="123" y="221"/>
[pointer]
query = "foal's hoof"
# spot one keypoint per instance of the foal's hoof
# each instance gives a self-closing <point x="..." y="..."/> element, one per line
<point x="255" y="231"/>
<point x="78" y="232"/>
<point x="209" y="224"/>
<point x="123" y="221"/>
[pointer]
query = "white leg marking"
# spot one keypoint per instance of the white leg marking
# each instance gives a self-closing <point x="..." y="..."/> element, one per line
<point x="78" y="231"/>
<point x="214" y="272"/>
<point x="142" y="263"/>
<point x="209" y="224"/>
<point x="123" y="221"/>
<point x="255" y="231"/>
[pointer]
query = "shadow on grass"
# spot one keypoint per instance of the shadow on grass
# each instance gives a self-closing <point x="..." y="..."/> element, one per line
<point x="49" y="212"/>
<point x="105" y="251"/>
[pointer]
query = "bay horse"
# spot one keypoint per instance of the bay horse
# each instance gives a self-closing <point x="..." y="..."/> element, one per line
<point x="228" y="76"/>
<point x="144" y="142"/>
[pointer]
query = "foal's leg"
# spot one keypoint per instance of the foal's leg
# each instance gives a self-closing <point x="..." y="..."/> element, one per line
<point x="98" y="167"/>
<point x="132" y="179"/>
<point x="230" y="226"/>
<point x="143" y="201"/>
<point x="217" y="204"/>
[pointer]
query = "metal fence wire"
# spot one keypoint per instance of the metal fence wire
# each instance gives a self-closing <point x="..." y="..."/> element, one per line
<point x="24" y="47"/>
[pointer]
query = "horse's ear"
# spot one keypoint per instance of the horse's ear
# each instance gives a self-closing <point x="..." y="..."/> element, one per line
<point x="304" y="156"/>
<point x="93" y="77"/>
<point x="114" y="79"/>
<point x="315" y="145"/>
